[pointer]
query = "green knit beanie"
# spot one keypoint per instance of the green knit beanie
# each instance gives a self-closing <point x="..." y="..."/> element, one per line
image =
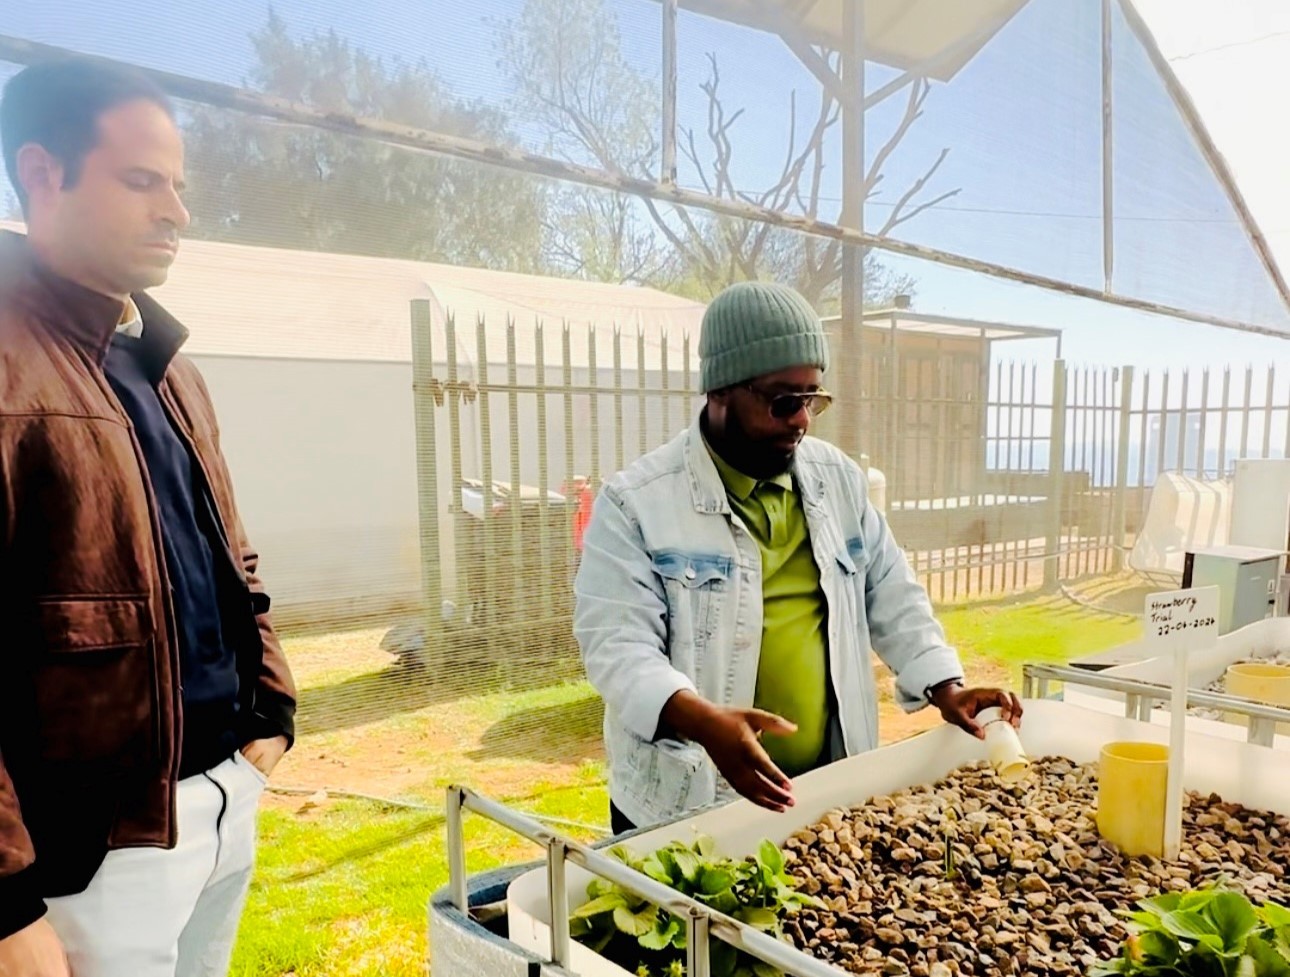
<point x="755" y="328"/>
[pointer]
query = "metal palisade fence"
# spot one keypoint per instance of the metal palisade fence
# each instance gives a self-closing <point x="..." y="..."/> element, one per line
<point x="989" y="488"/>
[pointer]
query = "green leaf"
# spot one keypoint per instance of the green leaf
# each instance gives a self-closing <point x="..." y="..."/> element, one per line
<point x="1188" y="925"/>
<point x="636" y="923"/>
<point x="1233" y="917"/>
<point x="1268" y="961"/>
<point x="1110" y="968"/>
<point x="796" y="900"/>
<point x="722" y="958"/>
<point x="762" y="969"/>
<point x="1213" y="943"/>
<point x="626" y="856"/>
<point x="667" y="858"/>
<point x="599" y="887"/>
<point x="1283" y="942"/>
<point x="770" y="856"/>
<point x="724" y="902"/>
<point x="1167" y="903"/>
<point x="1275" y="916"/>
<point x="705" y="846"/>
<point x="757" y="917"/>
<point x="714" y="879"/>
<point x="660" y="937"/>
<point x="1158" y="947"/>
<point x="609" y="902"/>
<point x="1196" y="899"/>
<point x="653" y="867"/>
<point x="580" y="926"/>
<point x="679" y="938"/>
<point x="688" y="862"/>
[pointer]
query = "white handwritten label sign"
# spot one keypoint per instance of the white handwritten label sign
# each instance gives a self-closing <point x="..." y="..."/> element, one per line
<point x="1180" y="620"/>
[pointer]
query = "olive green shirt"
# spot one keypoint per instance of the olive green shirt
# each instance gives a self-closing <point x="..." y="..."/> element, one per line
<point x="792" y="670"/>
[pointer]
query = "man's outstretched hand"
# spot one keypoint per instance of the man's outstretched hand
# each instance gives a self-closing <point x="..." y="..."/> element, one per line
<point x="960" y="706"/>
<point x="732" y="738"/>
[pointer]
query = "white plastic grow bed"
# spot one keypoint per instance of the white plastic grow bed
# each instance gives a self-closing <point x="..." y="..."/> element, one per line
<point x="1262" y="639"/>
<point x="1251" y="775"/>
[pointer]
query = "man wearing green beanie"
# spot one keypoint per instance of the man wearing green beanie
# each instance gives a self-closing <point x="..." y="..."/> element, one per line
<point x="734" y="581"/>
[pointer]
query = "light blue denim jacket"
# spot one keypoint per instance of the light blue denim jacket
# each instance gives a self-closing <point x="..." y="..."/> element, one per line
<point x="669" y="597"/>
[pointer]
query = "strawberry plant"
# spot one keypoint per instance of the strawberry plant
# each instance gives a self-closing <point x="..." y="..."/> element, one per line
<point x="1211" y="932"/>
<point x="650" y="942"/>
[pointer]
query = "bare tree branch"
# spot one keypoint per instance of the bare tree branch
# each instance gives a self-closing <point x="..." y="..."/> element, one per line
<point x="597" y="106"/>
<point x="899" y="215"/>
<point x="913" y="111"/>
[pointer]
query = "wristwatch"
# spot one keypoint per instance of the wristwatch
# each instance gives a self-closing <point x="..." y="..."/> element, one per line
<point x="931" y="690"/>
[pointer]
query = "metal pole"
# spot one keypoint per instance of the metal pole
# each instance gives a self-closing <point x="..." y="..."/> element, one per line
<point x="1056" y="471"/>
<point x="558" y="899"/>
<point x="1108" y="159"/>
<point x="1132" y="704"/>
<point x="454" y="800"/>
<point x="1262" y="732"/>
<point x="697" y="958"/>
<point x="668" y="176"/>
<point x="1119" y="515"/>
<point x="851" y="334"/>
<point x="423" y="399"/>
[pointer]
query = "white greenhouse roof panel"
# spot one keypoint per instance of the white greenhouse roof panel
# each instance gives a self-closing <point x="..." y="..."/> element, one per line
<point x="900" y="33"/>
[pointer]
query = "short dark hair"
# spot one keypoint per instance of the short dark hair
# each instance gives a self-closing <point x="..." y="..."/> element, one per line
<point x="57" y="105"/>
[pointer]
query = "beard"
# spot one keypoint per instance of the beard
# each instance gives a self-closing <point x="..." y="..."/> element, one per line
<point x="756" y="459"/>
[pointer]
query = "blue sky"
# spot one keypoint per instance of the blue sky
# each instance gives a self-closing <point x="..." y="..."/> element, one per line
<point x="1022" y="123"/>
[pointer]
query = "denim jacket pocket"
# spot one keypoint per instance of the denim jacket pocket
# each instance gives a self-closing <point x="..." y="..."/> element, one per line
<point x="667" y="776"/>
<point x="695" y="586"/>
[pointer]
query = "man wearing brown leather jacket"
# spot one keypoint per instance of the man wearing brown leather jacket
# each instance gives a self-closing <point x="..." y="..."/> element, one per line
<point x="144" y="698"/>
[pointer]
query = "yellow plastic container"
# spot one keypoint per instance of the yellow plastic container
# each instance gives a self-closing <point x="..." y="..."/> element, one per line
<point x="1131" y="797"/>
<point x="1261" y="682"/>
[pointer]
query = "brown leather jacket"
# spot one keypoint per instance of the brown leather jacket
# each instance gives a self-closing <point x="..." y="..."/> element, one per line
<point x="90" y="697"/>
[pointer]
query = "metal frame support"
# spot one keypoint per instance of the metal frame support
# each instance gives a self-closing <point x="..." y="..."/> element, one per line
<point x="697" y="941"/>
<point x="847" y="95"/>
<point x="427" y="458"/>
<point x="1119" y="507"/>
<point x="1057" y="479"/>
<point x="702" y="922"/>
<point x="851" y="331"/>
<point x="557" y="896"/>
<point x="668" y="175"/>
<point x="20" y="51"/>
<point x="1141" y="698"/>
<point x="1262" y="732"/>
<point x="1108" y="157"/>
<point x="454" y="803"/>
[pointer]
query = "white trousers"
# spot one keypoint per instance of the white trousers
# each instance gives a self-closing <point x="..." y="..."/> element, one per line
<point x="149" y="912"/>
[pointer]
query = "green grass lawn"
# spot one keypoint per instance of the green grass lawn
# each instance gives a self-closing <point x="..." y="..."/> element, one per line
<point x="342" y="884"/>
<point x="344" y="892"/>
<point x="1047" y="630"/>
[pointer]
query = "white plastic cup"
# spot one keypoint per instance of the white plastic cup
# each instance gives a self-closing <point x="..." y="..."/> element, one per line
<point x="1003" y="745"/>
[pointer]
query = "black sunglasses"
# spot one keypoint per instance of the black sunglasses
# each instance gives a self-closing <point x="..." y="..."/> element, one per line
<point x="785" y="405"/>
